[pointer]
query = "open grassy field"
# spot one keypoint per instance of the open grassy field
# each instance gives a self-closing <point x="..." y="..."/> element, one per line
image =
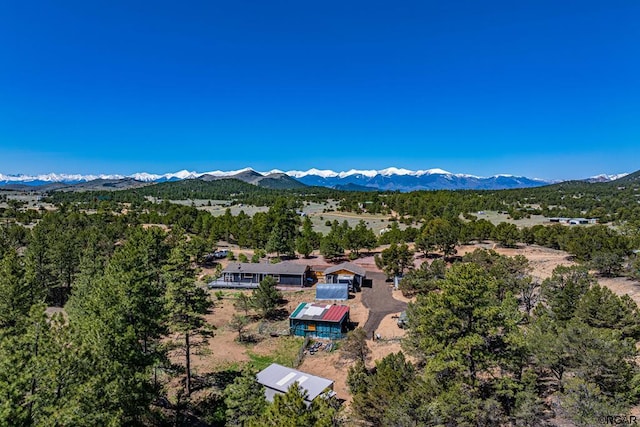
<point x="319" y="213"/>
<point x="219" y="207"/>
<point x="496" y="218"/>
<point x="31" y="200"/>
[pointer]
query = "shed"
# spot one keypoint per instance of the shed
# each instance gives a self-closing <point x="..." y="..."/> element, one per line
<point x="277" y="379"/>
<point x="346" y="272"/>
<point x="332" y="291"/>
<point x="319" y="320"/>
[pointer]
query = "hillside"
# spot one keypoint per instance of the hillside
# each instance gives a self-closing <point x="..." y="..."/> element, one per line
<point x="274" y="180"/>
<point x="633" y="178"/>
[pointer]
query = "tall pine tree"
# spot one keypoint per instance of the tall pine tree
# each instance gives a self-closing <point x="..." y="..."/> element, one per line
<point x="186" y="306"/>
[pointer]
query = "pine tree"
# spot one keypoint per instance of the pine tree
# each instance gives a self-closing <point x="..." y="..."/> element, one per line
<point x="601" y="308"/>
<point x="265" y="297"/>
<point x="245" y="400"/>
<point x="238" y="323"/>
<point x="391" y="378"/>
<point x="284" y="228"/>
<point x="562" y="291"/>
<point x="303" y="246"/>
<point x="439" y="234"/>
<point x="354" y="346"/>
<point x="288" y="410"/>
<point x="15" y="296"/>
<point x="464" y="329"/>
<point x="138" y="267"/>
<point x="332" y="245"/>
<point x="243" y="303"/>
<point x="186" y="305"/>
<point x="394" y="260"/>
<point x="359" y="238"/>
<point x="108" y="347"/>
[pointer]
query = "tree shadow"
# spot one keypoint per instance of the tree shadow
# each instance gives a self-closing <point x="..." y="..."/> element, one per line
<point x="279" y="314"/>
<point x="249" y="339"/>
<point x="452" y="259"/>
<point x="219" y="379"/>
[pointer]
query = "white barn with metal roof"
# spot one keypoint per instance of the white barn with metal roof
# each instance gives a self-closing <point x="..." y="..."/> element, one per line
<point x="277" y="379"/>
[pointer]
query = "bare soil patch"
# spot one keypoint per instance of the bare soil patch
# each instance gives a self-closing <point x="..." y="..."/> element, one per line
<point x="544" y="260"/>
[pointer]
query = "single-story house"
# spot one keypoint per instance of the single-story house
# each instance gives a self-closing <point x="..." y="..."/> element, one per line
<point x="574" y="221"/>
<point x="249" y="275"/>
<point x="332" y="291"/>
<point x="319" y="320"/>
<point x="346" y="272"/>
<point x="277" y="379"/>
<point x="578" y="221"/>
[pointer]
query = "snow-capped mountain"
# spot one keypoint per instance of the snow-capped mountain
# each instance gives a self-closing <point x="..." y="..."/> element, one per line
<point x="140" y="176"/>
<point x="391" y="178"/>
<point x="408" y="180"/>
<point x="605" y="177"/>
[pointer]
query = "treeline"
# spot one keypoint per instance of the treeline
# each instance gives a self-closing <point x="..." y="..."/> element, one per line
<point x="613" y="201"/>
<point x="281" y="230"/>
<point x="53" y="248"/>
<point x="605" y="202"/>
<point x="191" y="189"/>
<point x="96" y="363"/>
<point x="609" y="251"/>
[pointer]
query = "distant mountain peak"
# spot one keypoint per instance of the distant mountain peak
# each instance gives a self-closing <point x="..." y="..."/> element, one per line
<point x="325" y="173"/>
<point x="391" y="178"/>
<point x="603" y="177"/>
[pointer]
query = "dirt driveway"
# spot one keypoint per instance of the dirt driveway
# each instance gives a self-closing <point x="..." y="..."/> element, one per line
<point x="379" y="300"/>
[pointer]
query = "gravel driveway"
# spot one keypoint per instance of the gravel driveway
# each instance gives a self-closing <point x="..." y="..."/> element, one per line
<point x="379" y="300"/>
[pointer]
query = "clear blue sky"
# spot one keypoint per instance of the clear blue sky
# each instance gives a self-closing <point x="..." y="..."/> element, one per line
<point x="547" y="89"/>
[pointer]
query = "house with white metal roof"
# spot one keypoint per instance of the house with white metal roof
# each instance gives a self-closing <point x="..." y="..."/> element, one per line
<point x="277" y="379"/>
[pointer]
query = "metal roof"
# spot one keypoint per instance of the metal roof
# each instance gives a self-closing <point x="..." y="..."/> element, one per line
<point x="320" y="312"/>
<point x="280" y="378"/>
<point x="332" y="291"/>
<point x="264" y="268"/>
<point x="347" y="266"/>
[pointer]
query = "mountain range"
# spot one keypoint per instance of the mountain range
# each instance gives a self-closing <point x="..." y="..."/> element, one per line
<point x="354" y="180"/>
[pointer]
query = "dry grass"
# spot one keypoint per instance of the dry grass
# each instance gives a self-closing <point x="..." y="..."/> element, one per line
<point x="496" y="218"/>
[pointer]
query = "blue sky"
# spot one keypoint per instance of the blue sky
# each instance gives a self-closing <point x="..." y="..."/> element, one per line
<point x="547" y="89"/>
